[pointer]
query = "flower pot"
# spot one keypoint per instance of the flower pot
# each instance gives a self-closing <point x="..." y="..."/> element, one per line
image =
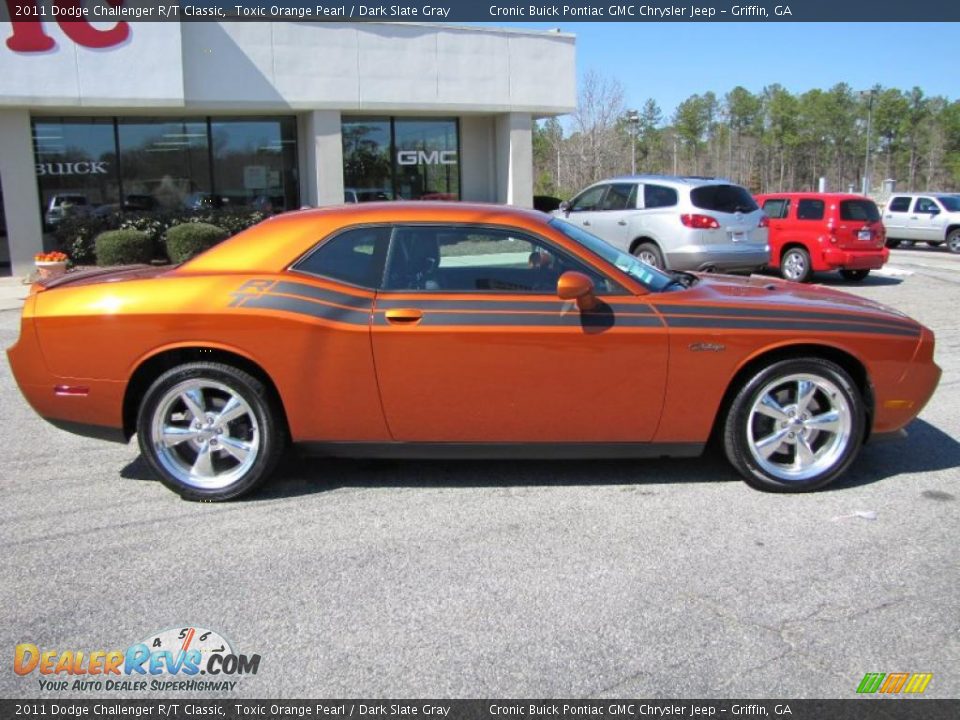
<point x="49" y="269"/>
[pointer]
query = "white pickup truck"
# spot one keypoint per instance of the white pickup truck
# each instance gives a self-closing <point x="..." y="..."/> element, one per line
<point x="933" y="218"/>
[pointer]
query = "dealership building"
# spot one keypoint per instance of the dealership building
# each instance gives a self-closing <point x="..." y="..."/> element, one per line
<point x="143" y="117"/>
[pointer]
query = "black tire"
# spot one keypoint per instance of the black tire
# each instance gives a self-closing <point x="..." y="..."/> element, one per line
<point x="650" y="254"/>
<point x="854" y="275"/>
<point x="832" y="452"/>
<point x="257" y="434"/>
<point x="795" y="265"/>
<point x="892" y="243"/>
<point x="953" y="241"/>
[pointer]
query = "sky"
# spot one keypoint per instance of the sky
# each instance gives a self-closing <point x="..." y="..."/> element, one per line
<point x="671" y="61"/>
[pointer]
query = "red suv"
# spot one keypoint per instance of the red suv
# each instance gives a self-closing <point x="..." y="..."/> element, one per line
<point x="822" y="232"/>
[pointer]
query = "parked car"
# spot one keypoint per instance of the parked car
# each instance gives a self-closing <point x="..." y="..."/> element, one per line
<point x="679" y="223"/>
<point x="62" y="205"/>
<point x="933" y="218"/>
<point x="425" y="329"/>
<point x="821" y="232"/>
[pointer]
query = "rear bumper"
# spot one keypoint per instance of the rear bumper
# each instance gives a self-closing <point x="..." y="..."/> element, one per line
<point x="723" y="257"/>
<point x="838" y="259"/>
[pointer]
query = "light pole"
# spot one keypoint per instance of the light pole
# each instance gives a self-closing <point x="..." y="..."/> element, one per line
<point x="633" y="117"/>
<point x="868" y="94"/>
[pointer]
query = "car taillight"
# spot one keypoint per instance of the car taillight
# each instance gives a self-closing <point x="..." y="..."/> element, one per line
<point x="700" y="222"/>
<point x="764" y="221"/>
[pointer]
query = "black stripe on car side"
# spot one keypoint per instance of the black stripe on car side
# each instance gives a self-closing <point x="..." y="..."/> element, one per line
<point x="783" y="314"/>
<point x="571" y="319"/>
<point x="285" y="287"/>
<point x="501" y="305"/>
<point x="773" y="324"/>
<point x="307" y="307"/>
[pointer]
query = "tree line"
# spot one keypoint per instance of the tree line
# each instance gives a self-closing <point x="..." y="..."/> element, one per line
<point x="773" y="140"/>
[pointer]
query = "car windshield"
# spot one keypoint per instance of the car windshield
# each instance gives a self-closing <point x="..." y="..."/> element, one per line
<point x="950" y="202"/>
<point x="648" y="276"/>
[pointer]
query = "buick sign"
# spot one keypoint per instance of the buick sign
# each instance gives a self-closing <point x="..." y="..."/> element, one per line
<point x="98" y="167"/>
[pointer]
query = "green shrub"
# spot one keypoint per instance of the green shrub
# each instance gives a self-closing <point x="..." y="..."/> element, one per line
<point x="75" y="234"/>
<point x="187" y="240"/>
<point x="123" y="247"/>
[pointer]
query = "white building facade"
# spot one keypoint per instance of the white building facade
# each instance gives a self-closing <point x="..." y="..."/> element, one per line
<point x="145" y="117"/>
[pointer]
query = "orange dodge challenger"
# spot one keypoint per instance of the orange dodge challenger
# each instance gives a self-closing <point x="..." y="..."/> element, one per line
<point x="416" y="330"/>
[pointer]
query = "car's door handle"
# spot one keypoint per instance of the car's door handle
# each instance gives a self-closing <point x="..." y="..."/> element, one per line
<point x="621" y="222"/>
<point x="404" y="316"/>
<point x="914" y="217"/>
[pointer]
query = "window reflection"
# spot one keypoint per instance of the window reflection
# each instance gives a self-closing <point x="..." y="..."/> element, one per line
<point x="76" y="166"/>
<point x="254" y="163"/>
<point x="165" y="164"/>
<point x="400" y="158"/>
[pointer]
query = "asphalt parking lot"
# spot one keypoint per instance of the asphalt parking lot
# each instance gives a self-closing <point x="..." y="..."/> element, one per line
<point x="494" y="579"/>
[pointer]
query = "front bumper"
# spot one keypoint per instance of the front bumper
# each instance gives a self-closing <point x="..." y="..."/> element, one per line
<point x="839" y="259"/>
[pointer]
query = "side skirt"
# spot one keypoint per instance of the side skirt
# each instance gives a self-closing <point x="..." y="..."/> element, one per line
<point x="501" y="451"/>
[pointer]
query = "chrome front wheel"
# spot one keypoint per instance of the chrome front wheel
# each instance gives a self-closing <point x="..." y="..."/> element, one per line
<point x="795" y="426"/>
<point x="211" y="431"/>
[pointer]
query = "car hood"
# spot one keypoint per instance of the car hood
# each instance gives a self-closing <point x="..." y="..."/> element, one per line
<point x="759" y="293"/>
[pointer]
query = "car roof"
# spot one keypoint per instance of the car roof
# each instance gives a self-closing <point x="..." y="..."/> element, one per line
<point x="270" y="245"/>
<point x="816" y="195"/>
<point x="688" y="180"/>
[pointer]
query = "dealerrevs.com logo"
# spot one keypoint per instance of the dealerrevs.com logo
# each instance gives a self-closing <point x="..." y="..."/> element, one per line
<point x="188" y="658"/>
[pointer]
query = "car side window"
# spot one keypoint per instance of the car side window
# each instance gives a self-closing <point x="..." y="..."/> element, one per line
<point x="589" y="199"/>
<point x="899" y="204"/>
<point x="776" y="208"/>
<point x="354" y="256"/>
<point x="810" y="210"/>
<point x="620" y="196"/>
<point x="477" y="259"/>
<point x="926" y="205"/>
<point x="658" y="196"/>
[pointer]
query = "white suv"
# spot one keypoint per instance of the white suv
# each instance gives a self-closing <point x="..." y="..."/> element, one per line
<point x="933" y="218"/>
<point x="677" y="223"/>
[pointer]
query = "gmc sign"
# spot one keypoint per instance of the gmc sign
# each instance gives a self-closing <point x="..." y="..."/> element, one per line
<point x="27" y="16"/>
<point x="422" y="157"/>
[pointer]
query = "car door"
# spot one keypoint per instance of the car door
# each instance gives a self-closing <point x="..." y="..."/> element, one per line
<point x="777" y="210"/>
<point x="926" y="220"/>
<point x="895" y="217"/>
<point x="614" y="219"/>
<point x="472" y="344"/>
<point x="584" y="210"/>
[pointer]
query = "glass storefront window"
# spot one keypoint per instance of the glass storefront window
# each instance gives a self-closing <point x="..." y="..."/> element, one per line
<point x="76" y="166"/>
<point x="402" y="158"/>
<point x="104" y="165"/>
<point x="254" y="163"/>
<point x="428" y="164"/>
<point x="165" y="164"/>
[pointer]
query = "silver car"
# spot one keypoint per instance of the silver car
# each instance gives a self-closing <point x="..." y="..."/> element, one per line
<point x="678" y="223"/>
<point x="933" y="218"/>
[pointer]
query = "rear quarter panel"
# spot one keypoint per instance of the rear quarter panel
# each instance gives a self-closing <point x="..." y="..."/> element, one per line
<point x="98" y="335"/>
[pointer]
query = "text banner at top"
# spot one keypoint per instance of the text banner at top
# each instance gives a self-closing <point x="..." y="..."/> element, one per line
<point x="469" y="11"/>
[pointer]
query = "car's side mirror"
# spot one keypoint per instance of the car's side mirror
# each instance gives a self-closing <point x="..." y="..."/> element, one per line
<point x="934" y="211"/>
<point x="574" y="285"/>
<point x="564" y="207"/>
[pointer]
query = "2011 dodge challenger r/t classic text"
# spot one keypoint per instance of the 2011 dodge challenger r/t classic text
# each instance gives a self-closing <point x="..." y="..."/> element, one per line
<point x="417" y="330"/>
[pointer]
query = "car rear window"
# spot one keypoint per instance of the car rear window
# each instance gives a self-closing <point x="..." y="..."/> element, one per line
<point x="950" y="202"/>
<point x="864" y="210"/>
<point x="655" y="196"/>
<point x="723" y="198"/>
<point x="899" y="204"/>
